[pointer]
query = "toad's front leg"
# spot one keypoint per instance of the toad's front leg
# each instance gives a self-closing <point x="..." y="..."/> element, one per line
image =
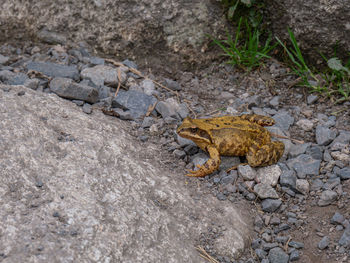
<point x="210" y="166"/>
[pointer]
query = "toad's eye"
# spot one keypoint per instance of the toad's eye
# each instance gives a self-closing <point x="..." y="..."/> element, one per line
<point x="194" y="130"/>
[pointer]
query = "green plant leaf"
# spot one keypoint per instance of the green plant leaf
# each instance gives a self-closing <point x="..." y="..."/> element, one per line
<point x="335" y="64"/>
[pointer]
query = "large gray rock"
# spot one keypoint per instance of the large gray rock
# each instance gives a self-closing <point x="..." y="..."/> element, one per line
<point x="78" y="188"/>
<point x="313" y="34"/>
<point x="148" y="29"/>
<point x="66" y="88"/>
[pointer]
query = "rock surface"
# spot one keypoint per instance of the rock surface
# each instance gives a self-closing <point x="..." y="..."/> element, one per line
<point x="145" y="28"/>
<point x="334" y="26"/>
<point x="74" y="186"/>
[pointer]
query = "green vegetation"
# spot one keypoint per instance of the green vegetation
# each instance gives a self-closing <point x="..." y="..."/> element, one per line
<point x="333" y="81"/>
<point x="245" y="50"/>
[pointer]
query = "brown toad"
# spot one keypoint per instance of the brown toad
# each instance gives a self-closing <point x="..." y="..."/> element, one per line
<point x="232" y="136"/>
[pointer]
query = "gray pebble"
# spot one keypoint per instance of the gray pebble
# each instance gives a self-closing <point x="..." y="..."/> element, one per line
<point x="267" y="246"/>
<point x="87" y="108"/>
<point x="221" y="196"/>
<point x="323" y="243"/>
<point x="250" y="196"/>
<point x="345" y="238"/>
<point x="316" y="184"/>
<point x="265" y="191"/>
<point x="277" y="255"/>
<point x="256" y="243"/>
<point x="179" y="154"/>
<point x="270" y="205"/>
<point x="324" y="135"/>
<point x="311" y="99"/>
<point x="247" y="172"/>
<point x="344" y="173"/>
<point x="327" y="197"/>
<point x="260" y="253"/>
<point x="296" y="244"/>
<point x="294" y="255"/>
<point x="172" y="84"/>
<point x="283" y="120"/>
<point x="55" y="70"/>
<point x="315" y="151"/>
<point x="129" y="64"/>
<point x="304" y="165"/>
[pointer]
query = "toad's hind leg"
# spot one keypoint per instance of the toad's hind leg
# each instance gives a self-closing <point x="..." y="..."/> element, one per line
<point x="210" y="166"/>
<point x="259" y="119"/>
<point x="266" y="154"/>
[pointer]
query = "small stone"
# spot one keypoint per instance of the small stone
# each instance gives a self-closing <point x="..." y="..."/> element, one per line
<point x="268" y="175"/>
<point x="260" y="253"/>
<point x="268" y="246"/>
<point x="32" y="83"/>
<point x="265" y="236"/>
<point x="277" y="255"/>
<point x="265" y="191"/>
<point x="343" y="137"/>
<point x="275" y="221"/>
<point x="315" y="151"/>
<point x="172" y="84"/>
<point x="143" y="138"/>
<point x="56" y="214"/>
<point x="183" y="141"/>
<point x="297" y="149"/>
<point x="337" y="219"/>
<point x="258" y="221"/>
<point x="339" y="228"/>
<point x="168" y="108"/>
<point x="55" y="70"/>
<point x="21" y="93"/>
<point x="294" y="255"/>
<point x="129" y="64"/>
<point x="282" y="227"/>
<point x="345" y="238"/>
<point x="78" y="102"/>
<point x="305" y="124"/>
<point x="316" y="184"/>
<point x="250" y="197"/>
<point x="87" y="108"/>
<point x="66" y="88"/>
<point x="304" y="165"/>
<point x="51" y="37"/>
<point x="323" y="243"/>
<point x="288" y="179"/>
<point x="3" y="59"/>
<point x="275" y="101"/>
<point x="324" y="135"/>
<point x="303" y="186"/>
<point x="344" y="173"/>
<point x="179" y="154"/>
<point x="147" y="122"/>
<point x="283" y="120"/>
<point x="221" y="196"/>
<point x="103" y="75"/>
<point x="246" y="172"/>
<point x="191" y="149"/>
<point x="229" y="179"/>
<point x="296" y="244"/>
<point x="39" y="183"/>
<point x="136" y="102"/>
<point x="148" y="87"/>
<point x="270" y="205"/>
<point x="311" y="99"/>
<point x="256" y="243"/>
<point x="327" y="197"/>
